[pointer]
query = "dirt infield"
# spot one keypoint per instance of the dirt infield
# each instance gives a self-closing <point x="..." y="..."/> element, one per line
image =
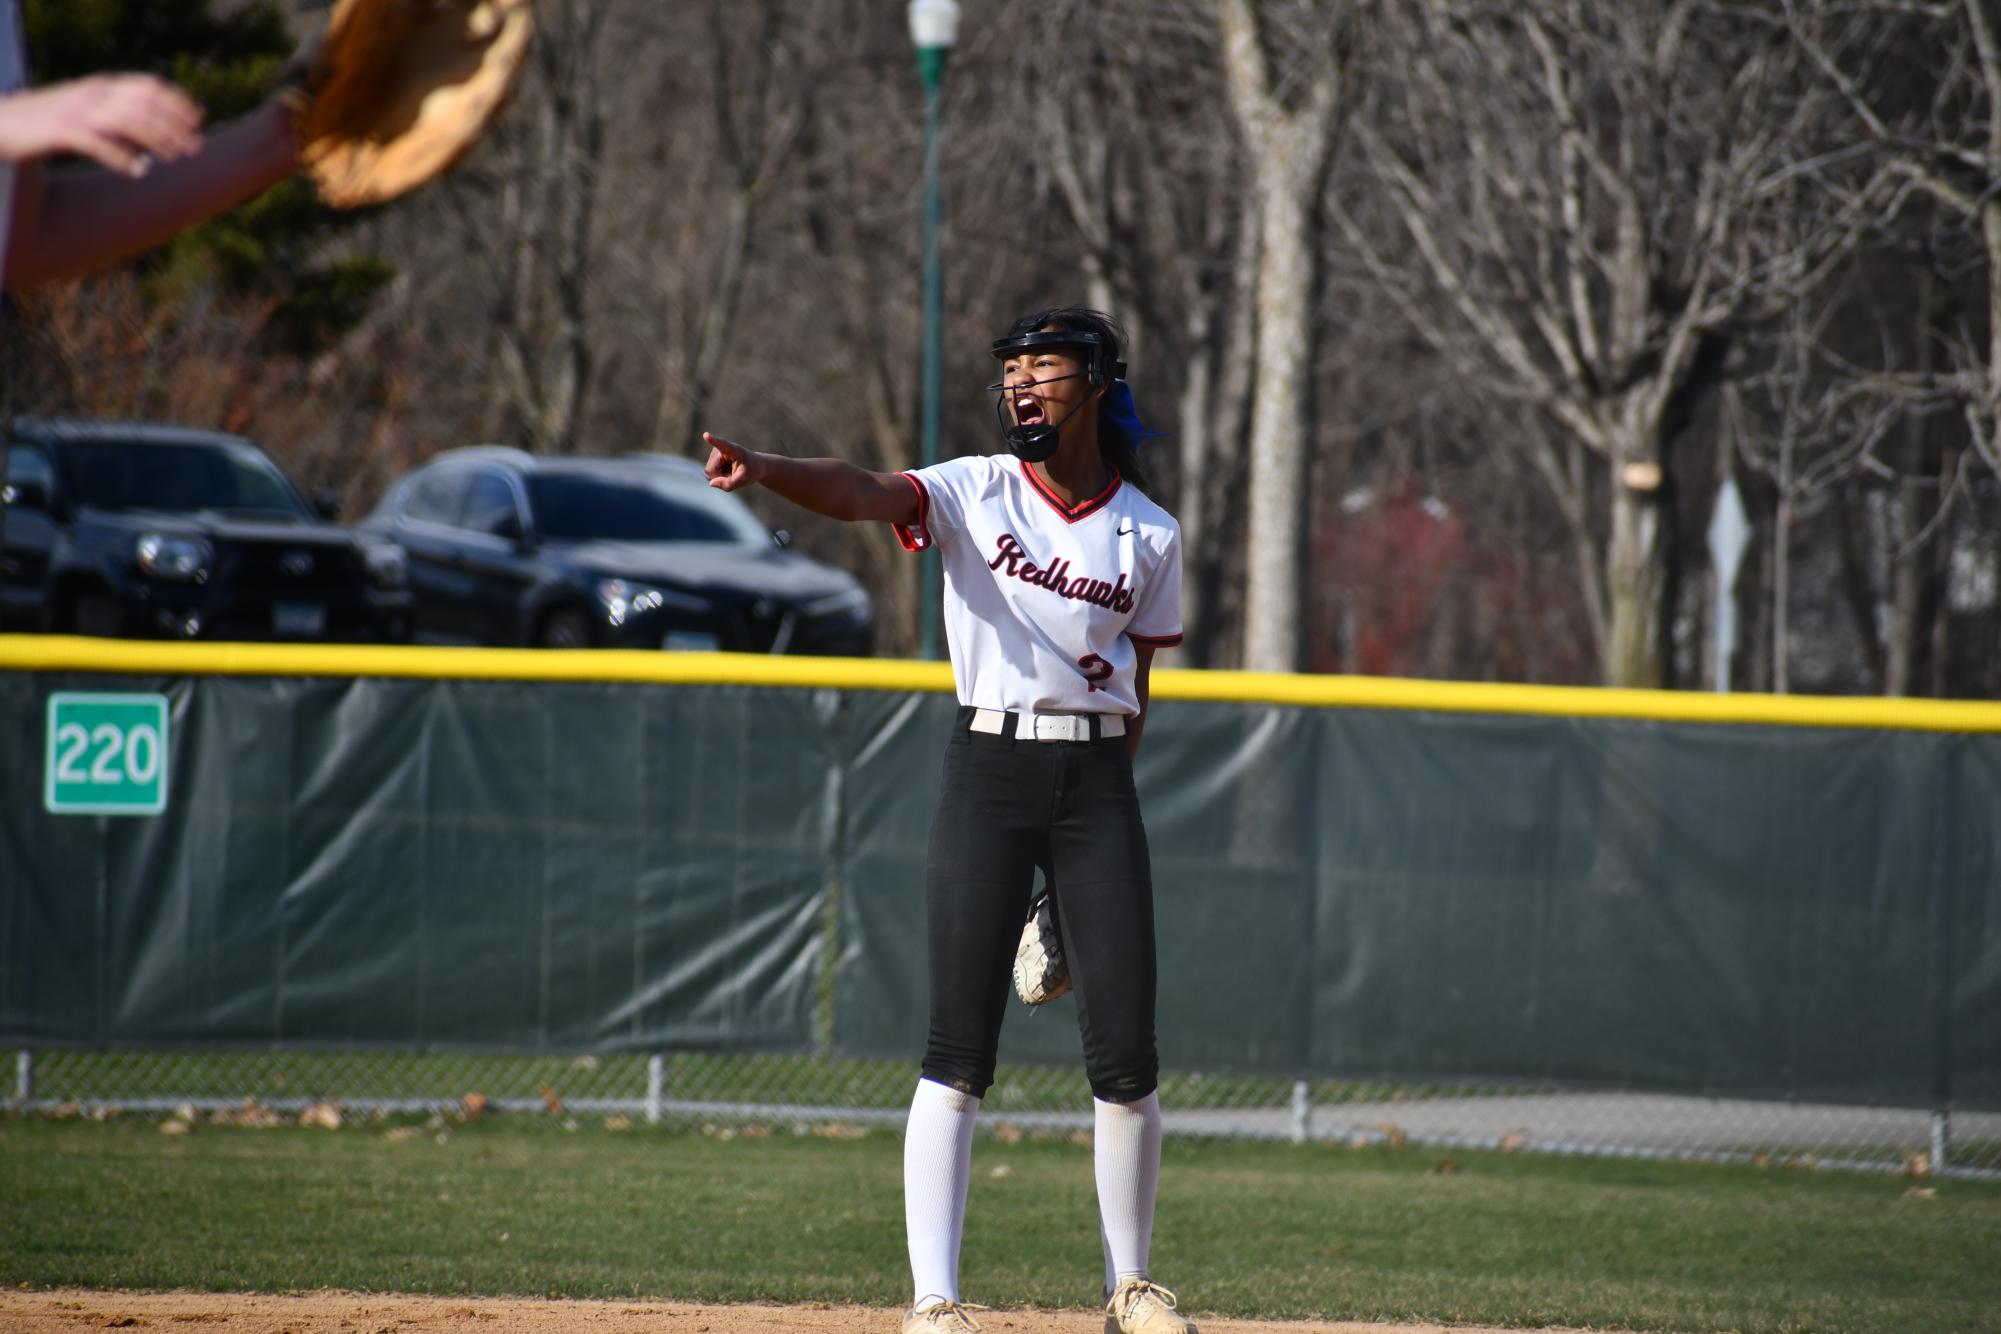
<point x="63" y="1310"/>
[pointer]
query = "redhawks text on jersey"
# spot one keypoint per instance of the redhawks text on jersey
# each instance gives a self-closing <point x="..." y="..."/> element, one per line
<point x="1044" y="602"/>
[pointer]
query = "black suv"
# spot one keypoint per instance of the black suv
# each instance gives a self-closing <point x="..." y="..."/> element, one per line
<point x="123" y="528"/>
<point x="508" y="547"/>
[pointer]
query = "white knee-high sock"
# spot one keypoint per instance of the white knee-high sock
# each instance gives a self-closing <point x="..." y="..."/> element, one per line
<point x="937" y="1166"/>
<point x="1125" y="1150"/>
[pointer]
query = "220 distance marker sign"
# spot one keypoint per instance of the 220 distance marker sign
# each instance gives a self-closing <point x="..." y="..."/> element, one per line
<point x="107" y="754"/>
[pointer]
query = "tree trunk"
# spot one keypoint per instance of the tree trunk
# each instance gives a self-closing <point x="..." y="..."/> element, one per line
<point x="1782" y="570"/>
<point x="1915" y="554"/>
<point x="1986" y="27"/>
<point x="1852" y="509"/>
<point x="1289" y="148"/>
<point x="1232" y="354"/>
<point x="1278" y="445"/>
<point x="1196" y="455"/>
<point x="1635" y="584"/>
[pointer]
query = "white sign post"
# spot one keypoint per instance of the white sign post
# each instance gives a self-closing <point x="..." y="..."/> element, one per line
<point x="1729" y="534"/>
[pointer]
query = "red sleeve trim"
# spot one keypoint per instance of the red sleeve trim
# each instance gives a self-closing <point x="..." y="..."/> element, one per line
<point x="917" y="536"/>
<point x="1157" y="641"/>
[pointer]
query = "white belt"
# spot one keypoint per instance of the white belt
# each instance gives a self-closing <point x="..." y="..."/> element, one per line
<point x="1049" y="726"/>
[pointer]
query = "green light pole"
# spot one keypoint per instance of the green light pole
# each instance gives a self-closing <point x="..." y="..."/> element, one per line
<point x="934" y="26"/>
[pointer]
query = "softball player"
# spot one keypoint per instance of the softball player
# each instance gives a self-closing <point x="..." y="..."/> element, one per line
<point x="1060" y="581"/>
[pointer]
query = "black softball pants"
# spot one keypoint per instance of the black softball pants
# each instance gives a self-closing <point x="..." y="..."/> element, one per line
<point x="1006" y="807"/>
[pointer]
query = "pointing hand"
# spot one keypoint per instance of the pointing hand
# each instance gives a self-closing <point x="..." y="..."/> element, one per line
<point x="731" y="466"/>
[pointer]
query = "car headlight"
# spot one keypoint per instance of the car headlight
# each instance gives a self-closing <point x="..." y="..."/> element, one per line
<point x="388" y="564"/>
<point x="623" y="599"/>
<point x="853" y="603"/>
<point x="180" y="558"/>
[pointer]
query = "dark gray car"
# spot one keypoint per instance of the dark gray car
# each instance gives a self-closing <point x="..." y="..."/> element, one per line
<point x="149" y="530"/>
<point x="511" y="548"/>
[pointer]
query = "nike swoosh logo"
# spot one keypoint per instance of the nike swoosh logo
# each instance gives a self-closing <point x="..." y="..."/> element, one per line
<point x="1124" y="531"/>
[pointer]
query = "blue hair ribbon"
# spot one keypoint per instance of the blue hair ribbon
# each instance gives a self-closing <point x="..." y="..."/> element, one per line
<point x="1121" y="412"/>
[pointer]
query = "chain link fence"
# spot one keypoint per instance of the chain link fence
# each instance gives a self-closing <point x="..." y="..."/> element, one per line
<point x="827" y="1095"/>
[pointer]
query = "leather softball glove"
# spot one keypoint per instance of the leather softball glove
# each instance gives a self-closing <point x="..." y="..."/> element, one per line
<point x="1040" y="973"/>
<point x="395" y="92"/>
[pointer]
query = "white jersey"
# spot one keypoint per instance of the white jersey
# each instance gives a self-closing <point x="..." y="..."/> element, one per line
<point x="1045" y="602"/>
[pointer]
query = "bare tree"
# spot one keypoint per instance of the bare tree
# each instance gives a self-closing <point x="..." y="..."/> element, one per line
<point x="1587" y="190"/>
<point x="1819" y="448"/>
<point x="761" y="89"/>
<point x="1946" y="146"/>
<point x="1285" y="112"/>
<point x="537" y="231"/>
<point x="1920" y="85"/>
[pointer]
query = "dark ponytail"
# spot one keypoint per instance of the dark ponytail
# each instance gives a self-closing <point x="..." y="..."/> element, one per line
<point x="1118" y="453"/>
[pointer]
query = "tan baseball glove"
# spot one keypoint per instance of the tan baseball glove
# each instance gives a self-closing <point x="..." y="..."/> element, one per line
<point x="1040" y="974"/>
<point x="396" y="91"/>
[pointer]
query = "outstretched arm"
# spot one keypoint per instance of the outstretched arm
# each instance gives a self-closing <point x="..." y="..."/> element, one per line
<point x="71" y="222"/>
<point x="833" y="487"/>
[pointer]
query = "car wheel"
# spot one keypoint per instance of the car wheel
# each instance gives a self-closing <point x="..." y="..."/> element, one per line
<point x="564" y="627"/>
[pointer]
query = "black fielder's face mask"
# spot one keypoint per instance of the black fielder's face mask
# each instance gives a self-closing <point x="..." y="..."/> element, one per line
<point x="1036" y="442"/>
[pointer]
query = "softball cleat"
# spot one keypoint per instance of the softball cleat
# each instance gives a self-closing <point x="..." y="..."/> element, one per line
<point x="942" y="1318"/>
<point x="1141" y="1306"/>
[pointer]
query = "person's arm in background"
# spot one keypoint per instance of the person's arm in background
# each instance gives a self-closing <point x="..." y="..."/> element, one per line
<point x="70" y="222"/>
<point x="125" y="122"/>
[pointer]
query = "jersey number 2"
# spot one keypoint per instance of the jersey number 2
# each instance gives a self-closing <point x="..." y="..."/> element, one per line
<point x="1095" y="668"/>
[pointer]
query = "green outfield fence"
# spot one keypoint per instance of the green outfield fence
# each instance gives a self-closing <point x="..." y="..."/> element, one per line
<point x="258" y="882"/>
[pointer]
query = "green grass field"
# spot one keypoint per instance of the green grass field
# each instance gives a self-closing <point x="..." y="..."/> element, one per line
<point x="518" y="1205"/>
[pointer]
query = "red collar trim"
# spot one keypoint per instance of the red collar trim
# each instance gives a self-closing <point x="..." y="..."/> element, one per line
<point x="1083" y="509"/>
